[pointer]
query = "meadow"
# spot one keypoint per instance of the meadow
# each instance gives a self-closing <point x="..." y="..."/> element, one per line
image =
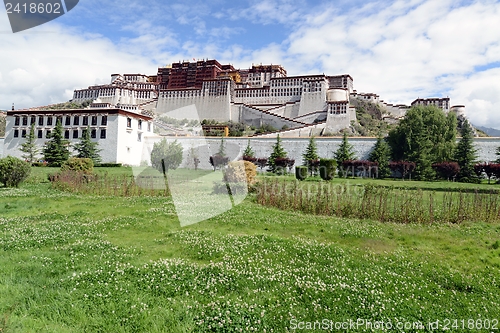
<point x="83" y="262"/>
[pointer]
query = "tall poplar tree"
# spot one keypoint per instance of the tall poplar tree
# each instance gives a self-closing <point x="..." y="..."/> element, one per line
<point x="425" y="136"/>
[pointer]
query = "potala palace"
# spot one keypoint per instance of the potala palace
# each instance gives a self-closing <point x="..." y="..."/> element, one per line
<point x="123" y="112"/>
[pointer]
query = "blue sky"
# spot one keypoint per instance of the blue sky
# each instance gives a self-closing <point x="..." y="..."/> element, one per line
<point x="400" y="50"/>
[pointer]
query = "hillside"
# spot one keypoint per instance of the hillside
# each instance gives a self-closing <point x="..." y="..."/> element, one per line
<point x="370" y="122"/>
<point x="489" y="131"/>
<point x="3" y="117"/>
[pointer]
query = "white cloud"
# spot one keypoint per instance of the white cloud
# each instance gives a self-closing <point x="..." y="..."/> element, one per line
<point x="398" y="49"/>
<point x="406" y="50"/>
<point x="40" y="68"/>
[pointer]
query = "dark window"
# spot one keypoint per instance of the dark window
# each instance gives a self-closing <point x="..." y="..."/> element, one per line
<point x="104" y="120"/>
<point x="66" y="134"/>
<point x="85" y="121"/>
<point x="93" y="133"/>
<point x="68" y="121"/>
<point x="140" y="124"/>
<point x="75" y="134"/>
<point x="60" y="120"/>
<point x="149" y="126"/>
<point x="40" y="121"/>
<point x="40" y="134"/>
<point x="49" y="121"/>
<point x="129" y="122"/>
<point x="33" y="120"/>
<point x="23" y="133"/>
<point x="16" y="121"/>
<point x="139" y="137"/>
<point x="84" y="132"/>
<point x="103" y="134"/>
<point x="47" y="134"/>
<point x="94" y="120"/>
<point x="16" y="133"/>
<point x="25" y="121"/>
<point x="76" y="121"/>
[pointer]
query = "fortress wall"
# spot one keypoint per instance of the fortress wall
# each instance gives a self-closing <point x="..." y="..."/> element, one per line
<point x="319" y="116"/>
<point x="312" y="101"/>
<point x="337" y="122"/>
<point x="292" y="110"/>
<point x="209" y="107"/>
<point x="267" y="99"/>
<point x="256" y="118"/>
<point x="295" y="147"/>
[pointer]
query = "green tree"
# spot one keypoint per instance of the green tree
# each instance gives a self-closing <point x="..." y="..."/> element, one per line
<point x="425" y="136"/>
<point x="87" y="148"/>
<point x="222" y="149"/>
<point x="381" y="154"/>
<point x="278" y="152"/>
<point x="310" y="157"/>
<point x="249" y="151"/>
<point x="29" y="147"/>
<point x="345" y="151"/>
<point x="56" y="151"/>
<point x="466" y="154"/>
<point x="498" y="154"/>
<point x="170" y="153"/>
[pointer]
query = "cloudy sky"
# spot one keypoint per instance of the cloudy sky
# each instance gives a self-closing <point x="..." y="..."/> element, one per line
<point x="400" y="50"/>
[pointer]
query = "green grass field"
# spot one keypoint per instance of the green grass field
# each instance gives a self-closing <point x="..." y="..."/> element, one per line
<point x="82" y="263"/>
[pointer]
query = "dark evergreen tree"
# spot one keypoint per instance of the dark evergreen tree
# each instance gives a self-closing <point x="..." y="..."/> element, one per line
<point x="381" y="154"/>
<point x="87" y="148"/>
<point x="425" y="136"/>
<point x="498" y="154"/>
<point x="466" y="155"/>
<point x="222" y="149"/>
<point x="345" y="151"/>
<point x="278" y="152"/>
<point x="29" y="147"/>
<point x="310" y="157"/>
<point x="249" y="151"/>
<point x="56" y="150"/>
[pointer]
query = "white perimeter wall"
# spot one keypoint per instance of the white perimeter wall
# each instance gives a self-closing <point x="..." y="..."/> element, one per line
<point x="208" y="107"/>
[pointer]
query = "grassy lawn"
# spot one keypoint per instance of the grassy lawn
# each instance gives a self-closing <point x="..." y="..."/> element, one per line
<point x="82" y="263"/>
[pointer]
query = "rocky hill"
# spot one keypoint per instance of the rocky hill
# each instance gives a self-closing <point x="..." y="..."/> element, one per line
<point x="3" y="117"/>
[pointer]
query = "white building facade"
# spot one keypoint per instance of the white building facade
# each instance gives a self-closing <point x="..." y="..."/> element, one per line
<point x="120" y="134"/>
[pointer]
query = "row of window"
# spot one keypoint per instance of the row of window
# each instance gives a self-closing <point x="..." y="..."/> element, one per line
<point x="67" y="133"/>
<point x="85" y="120"/>
<point x="139" y="124"/>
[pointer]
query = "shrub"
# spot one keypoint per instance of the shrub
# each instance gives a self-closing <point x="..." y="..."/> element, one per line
<point x="261" y="163"/>
<point x="301" y="172"/>
<point x="240" y="172"/>
<point x="84" y="165"/>
<point x="327" y="168"/>
<point x="404" y="168"/>
<point x="218" y="161"/>
<point x="13" y="171"/>
<point x="447" y="170"/>
<point x="282" y="163"/>
<point x="108" y="165"/>
<point x="361" y="168"/>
